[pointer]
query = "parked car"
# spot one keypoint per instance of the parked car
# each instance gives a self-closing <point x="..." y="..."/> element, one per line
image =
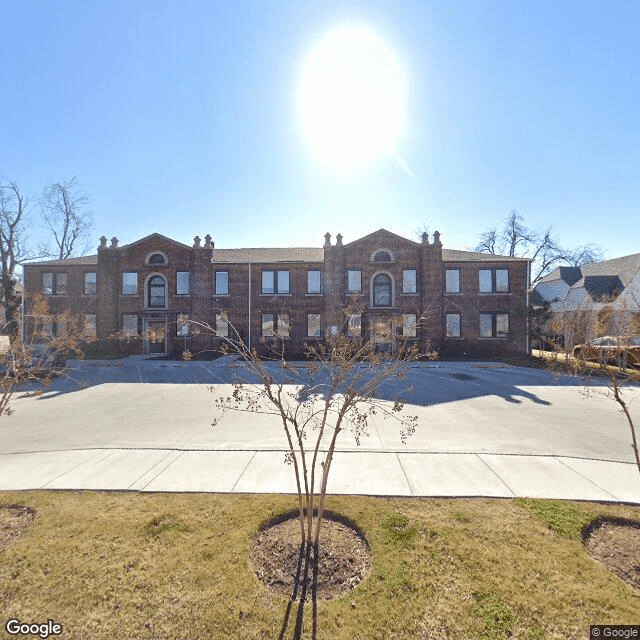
<point x="610" y="349"/>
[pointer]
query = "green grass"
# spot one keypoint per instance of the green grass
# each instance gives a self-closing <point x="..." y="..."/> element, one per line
<point x="176" y="567"/>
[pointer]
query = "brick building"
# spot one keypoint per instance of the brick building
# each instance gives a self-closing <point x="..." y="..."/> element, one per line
<point x="457" y="301"/>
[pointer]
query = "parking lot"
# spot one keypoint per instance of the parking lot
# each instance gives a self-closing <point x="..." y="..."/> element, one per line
<point x="147" y="424"/>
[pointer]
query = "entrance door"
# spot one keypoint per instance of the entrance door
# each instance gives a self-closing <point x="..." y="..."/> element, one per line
<point x="381" y="331"/>
<point x="156" y="336"/>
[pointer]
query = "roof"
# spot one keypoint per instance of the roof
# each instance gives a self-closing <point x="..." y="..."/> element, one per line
<point x="379" y="232"/>
<point x="625" y="268"/>
<point x="454" y="255"/>
<point x="285" y="254"/>
<point x="80" y="260"/>
<point x="155" y="235"/>
<point x="603" y="288"/>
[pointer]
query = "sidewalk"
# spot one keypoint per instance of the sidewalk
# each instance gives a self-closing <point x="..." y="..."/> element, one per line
<point x="353" y="472"/>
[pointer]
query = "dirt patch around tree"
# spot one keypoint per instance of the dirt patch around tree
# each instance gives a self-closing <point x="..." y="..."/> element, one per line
<point x="14" y="519"/>
<point x="615" y="543"/>
<point x="344" y="555"/>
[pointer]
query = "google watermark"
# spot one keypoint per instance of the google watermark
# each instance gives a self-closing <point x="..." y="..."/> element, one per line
<point x="44" y="630"/>
<point x="598" y="631"/>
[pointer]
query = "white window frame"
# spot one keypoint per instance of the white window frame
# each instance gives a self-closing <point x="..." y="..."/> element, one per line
<point x="311" y="286"/>
<point x="407" y="285"/>
<point x="316" y="319"/>
<point x="130" y="319"/>
<point x="222" y="325"/>
<point x="409" y="325"/>
<point x="354" y="325"/>
<point x="135" y="286"/>
<point x="222" y="283"/>
<point x="180" y="292"/>
<point x="452" y="280"/>
<point x="352" y="273"/>
<point x="450" y="329"/>
<point x="92" y="284"/>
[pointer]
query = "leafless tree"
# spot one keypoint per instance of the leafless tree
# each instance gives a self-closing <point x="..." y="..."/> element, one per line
<point x="14" y="219"/>
<point x="334" y="391"/>
<point x="516" y="239"/>
<point x="66" y="214"/>
<point x="32" y="357"/>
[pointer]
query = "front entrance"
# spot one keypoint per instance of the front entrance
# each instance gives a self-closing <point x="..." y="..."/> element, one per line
<point x="381" y="331"/>
<point x="155" y="334"/>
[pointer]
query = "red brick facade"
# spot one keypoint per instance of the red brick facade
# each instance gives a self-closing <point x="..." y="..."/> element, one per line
<point x="148" y="284"/>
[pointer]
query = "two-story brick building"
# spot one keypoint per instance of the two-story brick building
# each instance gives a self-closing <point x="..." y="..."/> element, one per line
<point x="455" y="301"/>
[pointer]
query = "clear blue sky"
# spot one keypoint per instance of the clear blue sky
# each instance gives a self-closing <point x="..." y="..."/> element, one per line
<point x="182" y="118"/>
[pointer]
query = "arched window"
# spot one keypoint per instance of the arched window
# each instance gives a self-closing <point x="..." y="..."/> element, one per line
<point x="382" y="256"/>
<point x="157" y="292"/>
<point x="156" y="258"/>
<point x="382" y="290"/>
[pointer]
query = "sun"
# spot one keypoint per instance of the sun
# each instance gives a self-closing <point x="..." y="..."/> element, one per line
<point x="351" y="98"/>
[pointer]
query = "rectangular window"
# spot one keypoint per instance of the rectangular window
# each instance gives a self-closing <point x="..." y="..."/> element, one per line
<point x="61" y="284"/>
<point x="275" y="325"/>
<point x="282" y="282"/>
<point x="268" y="324"/>
<point x="47" y="284"/>
<point x="485" y="281"/>
<point x="453" y="325"/>
<point x="183" y="283"/>
<point x="182" y="325"/>
<point x="354" y="281"/>
<point x="90" y="284"/>
<point x="502" y="281"/>
<point x="283" y="324"/>
<point x="314" y="281"/>
<point x="494" y="325"/>
<point x="222" y="325"/>
<point x="452" y="280"/>
<point x="313" y="325"/>
<point x="409" y="321"/>
<point x="268" y="282"/>
<point x="494" y="280"/>
<point x="91" y="326"/>
<point x="222" y="283"/>
<point x="130" y="325"/>
<point x="502" y="325"/>
<point x="129" y="283"/>
<point x="409" y="281"/>
<point x="354" y="325"/>
<point x="275" y="282"/>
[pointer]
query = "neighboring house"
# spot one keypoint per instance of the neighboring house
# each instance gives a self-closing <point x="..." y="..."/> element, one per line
<point x="456" y="301"/>
<point x="608" y="290"/>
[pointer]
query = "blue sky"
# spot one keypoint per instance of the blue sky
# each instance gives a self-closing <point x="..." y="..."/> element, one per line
<point x="182" y="118"/>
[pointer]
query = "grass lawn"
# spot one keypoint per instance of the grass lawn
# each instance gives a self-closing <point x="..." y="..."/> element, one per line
<point x="175" y="566"/>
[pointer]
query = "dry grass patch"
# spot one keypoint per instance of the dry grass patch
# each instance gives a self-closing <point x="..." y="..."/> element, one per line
<point x="177" y="567"/>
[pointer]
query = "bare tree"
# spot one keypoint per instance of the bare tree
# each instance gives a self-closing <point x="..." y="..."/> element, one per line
<point x="35" y="355"/>
<point x="516" y="239"/>
<point x="65" y="212"/>
<point x="336" y="390"/>
<point x="14" y="218"/>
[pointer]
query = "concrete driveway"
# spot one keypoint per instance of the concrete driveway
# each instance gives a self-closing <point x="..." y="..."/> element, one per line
<point x="484" y="429"/>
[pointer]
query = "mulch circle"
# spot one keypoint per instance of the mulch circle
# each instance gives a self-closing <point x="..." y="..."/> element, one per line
<point x="615" y="543"/>
<point x="344" y="555"/>
<point x="14" y="518"/>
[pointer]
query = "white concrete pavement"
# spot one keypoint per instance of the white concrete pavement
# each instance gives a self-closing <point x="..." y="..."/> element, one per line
<point x="483" y="430"/>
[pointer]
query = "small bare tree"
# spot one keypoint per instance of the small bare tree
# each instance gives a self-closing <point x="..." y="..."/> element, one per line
<point x="576" y="353"/>
<point x="334" y="391"/>
<point x="66" y="214"/>
<point x="33" y="355"/>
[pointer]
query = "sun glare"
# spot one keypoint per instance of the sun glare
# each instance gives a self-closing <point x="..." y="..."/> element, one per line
<point x="351" y="98"/>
